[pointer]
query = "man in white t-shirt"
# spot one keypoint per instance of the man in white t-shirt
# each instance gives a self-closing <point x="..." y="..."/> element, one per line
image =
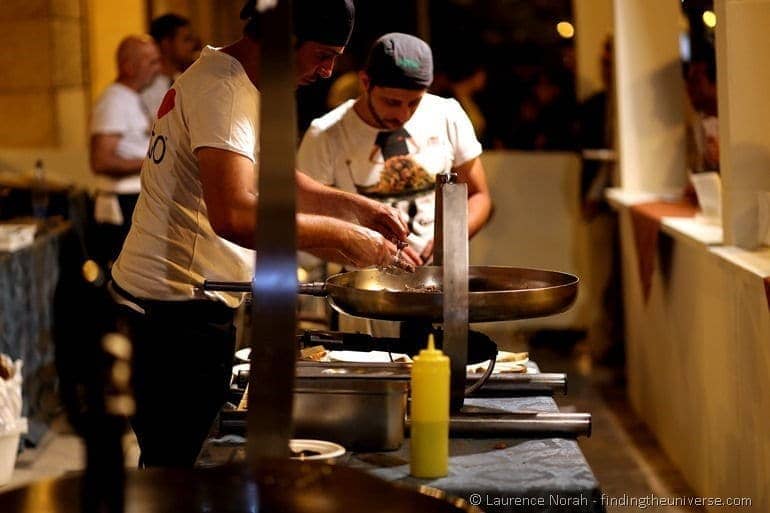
<point x="120" y="133"/>
<point x="177" y="43"/>
<point x="197" y="214"/>
<point x="392" y="141"/>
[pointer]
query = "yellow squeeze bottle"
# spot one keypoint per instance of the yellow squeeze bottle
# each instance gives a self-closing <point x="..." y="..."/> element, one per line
<point x="429" y="426"/>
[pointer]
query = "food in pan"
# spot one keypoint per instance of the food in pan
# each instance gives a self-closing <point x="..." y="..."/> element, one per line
<point x="427" y="289"/>
<point x="424" y="288"/>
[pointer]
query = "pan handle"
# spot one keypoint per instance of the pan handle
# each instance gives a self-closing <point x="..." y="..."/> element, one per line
<point x="315" y="288"/>
<point x="227" y="286"/>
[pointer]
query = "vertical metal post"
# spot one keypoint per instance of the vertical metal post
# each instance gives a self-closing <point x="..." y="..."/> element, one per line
<point x="453" y="198"/>
<point x="271" y="379"/>
<point x="438" y="223"/>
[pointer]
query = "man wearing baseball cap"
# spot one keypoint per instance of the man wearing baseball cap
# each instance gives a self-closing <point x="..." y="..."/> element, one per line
<point x="392" y="141"/>
<point x="196" y="217"/>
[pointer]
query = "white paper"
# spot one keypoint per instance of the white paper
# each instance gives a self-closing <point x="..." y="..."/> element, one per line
<point x="708" y="188"/>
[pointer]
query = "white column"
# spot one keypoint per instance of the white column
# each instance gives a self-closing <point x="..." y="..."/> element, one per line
<point x="743" y="82"/>
<point x="593" y="23"/>
<point x="650" y="95"/>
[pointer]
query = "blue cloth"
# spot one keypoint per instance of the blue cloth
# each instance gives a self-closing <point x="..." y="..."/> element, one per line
<point x="513" y="474"/>
<point x="543" y="475"/>
<point x="28" y="279"/>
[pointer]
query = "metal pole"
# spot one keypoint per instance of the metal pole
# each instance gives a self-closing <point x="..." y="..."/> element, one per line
<point x="271" y="380"/>
<point x="454" y="217"/>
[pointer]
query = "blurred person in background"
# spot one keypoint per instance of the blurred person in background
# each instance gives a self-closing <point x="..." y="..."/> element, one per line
<point x="178" y="48"/>
<point x="120" y="134"/>
<point x="596" y="127"/>
<point x="703" y="124"/>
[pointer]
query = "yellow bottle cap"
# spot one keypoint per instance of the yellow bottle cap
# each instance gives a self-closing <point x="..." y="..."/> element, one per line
<point x="431" y="354"/>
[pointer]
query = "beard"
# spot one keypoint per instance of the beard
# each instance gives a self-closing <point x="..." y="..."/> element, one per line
<point x="390" y="123"/>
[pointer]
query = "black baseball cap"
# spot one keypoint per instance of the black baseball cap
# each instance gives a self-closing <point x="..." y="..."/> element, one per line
<point x="329" y="22"/>
<point x="401" y="61"/>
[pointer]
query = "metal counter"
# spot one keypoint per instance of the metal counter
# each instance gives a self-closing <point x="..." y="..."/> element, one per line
<point x="511" y="474"/>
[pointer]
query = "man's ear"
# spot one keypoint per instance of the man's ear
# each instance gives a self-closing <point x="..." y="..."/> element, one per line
<point x="364" y="79"/>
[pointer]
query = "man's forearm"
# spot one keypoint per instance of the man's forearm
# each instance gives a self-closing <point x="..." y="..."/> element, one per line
<point x="479" y="210"/>
<point x="316" y="231"/>
<point x="115" y="166"/>
<point x="315" y="198"/>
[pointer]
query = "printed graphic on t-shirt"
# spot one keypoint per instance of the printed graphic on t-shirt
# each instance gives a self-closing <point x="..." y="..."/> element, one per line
<point x="398" y="172"/>
<point x="167" y="104"/>
<point x="401" y="173"/>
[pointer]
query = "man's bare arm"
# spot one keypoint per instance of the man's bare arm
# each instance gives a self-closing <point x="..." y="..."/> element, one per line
<point x="105" y="159"/>
<point x="316" y="198"/>
<point x="479" y="200"/>
<point x="228" y="182"/>
<point x="229" y="190"/>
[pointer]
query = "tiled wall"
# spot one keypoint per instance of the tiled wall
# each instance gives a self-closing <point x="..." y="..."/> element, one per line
<point x="43" y="73"/>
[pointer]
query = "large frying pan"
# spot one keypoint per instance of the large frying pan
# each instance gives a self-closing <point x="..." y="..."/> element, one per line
<point x="495" y="293"/>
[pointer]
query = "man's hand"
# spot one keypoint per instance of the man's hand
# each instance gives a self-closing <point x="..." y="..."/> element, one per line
<point x="318" y="199"/>
<point x="411" y="257"/>
<point x="427" y="253"/>
<point x="382" y="218"/>
<point x="347" y="243"/>
<point x="363" y="247"/>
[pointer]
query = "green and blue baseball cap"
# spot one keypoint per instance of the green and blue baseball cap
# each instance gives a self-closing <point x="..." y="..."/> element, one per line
<point x="401" y="61"/>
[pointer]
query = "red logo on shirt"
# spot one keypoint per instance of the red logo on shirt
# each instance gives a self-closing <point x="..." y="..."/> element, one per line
<point x="167" y="104"/>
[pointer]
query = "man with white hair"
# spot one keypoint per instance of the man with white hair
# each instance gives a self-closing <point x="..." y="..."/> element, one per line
<point x="120" y="134"/>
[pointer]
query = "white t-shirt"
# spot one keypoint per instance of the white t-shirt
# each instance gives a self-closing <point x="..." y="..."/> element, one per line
<point x="153" y="94"/>
<point x="340" y="149"/>
<point x="120" y="111"/>
<point x="172" y="247"/>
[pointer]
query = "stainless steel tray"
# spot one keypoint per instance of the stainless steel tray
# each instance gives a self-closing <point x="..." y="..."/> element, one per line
<point x="503" y="384"/>
<point x="360" y="414"/>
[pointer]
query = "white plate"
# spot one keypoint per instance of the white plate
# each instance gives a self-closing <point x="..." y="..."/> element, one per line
<point x="243" y="354"/>
<point x="364" y="357"/>
<point x="241" y="367"/>
<point x="327" y="450"/>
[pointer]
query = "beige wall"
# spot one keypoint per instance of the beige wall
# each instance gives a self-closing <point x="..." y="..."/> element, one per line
<point x="698" y="364"/>
<point x="744" y="115"/>
<point x="537" y="223"/>
<point x="108" y="22"/>
<point x="42" y="76"/>
<point x="650" y="95"/>
<point x="58" y="55"/>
